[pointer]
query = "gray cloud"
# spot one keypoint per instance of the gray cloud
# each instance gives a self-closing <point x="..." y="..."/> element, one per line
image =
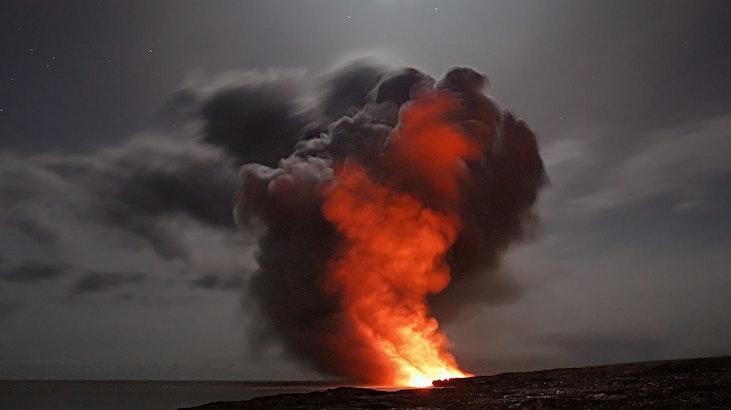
<point x="686" y="166"/>
<point x="137" y="220"/>
<point x="99" y="282"/>
<point x="29" y="272"/>
<point x="214" y="281"/>
<point x="139" y="187"/>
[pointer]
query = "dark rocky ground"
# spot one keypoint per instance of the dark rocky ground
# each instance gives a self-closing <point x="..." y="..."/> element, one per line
<point x="694" y="383"/>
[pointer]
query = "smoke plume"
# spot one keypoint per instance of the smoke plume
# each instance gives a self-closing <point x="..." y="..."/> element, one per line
<point x="400" y="192"/>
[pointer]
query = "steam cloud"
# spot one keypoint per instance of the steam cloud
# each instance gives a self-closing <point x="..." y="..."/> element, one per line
<point x="353" y="118"/>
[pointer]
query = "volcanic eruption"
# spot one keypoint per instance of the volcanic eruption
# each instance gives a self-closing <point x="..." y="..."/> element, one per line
<point x="399" y="187"/>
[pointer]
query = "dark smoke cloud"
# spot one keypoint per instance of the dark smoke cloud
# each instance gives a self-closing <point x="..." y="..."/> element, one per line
<point x="347" y="88"/>
<point x="254" y="116"/>
<point x="356" y="112"/>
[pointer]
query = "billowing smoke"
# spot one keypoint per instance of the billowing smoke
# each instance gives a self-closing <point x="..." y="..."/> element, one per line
<point x="435" y="151"/>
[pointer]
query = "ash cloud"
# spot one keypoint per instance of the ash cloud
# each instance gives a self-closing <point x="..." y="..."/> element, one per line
<point x="347" y="88"/>
<point x="356" y="112"/>
<point x="254" y="116"/>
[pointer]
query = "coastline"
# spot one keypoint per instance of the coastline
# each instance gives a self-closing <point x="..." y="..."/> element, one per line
<point x="702" y="382"/>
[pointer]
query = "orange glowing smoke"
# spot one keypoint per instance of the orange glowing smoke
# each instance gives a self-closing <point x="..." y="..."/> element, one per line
<point x="396" y="241"/>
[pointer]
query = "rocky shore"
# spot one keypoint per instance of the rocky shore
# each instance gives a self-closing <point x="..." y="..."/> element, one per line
<point x="692" y="383"/>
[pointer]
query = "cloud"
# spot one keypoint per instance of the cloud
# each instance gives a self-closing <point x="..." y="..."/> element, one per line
<point x="158" y="205"/>
<point x="253" y="115"/>
<point x="214" y="281"/>
<point x="686" y="166"/>
<point x="31" y="272"/>
<point x="361" y="112"/>
<point x="346" y="88"/>
<point x="99" y="282"/>
<point x="141" y="187"/>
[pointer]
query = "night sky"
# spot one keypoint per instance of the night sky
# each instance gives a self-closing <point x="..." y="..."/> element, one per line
<point x="119" y="257"/>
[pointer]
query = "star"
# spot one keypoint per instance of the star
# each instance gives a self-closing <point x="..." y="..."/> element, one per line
<point x="149" y="50"/>
<point x="348" y="18"/>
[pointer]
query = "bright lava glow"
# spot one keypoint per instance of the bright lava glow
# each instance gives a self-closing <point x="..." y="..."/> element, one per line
<point x="395" y="249"/>
<point x="416" y="378"/>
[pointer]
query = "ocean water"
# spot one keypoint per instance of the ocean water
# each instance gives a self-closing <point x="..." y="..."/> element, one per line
<point x="141" y="395"/>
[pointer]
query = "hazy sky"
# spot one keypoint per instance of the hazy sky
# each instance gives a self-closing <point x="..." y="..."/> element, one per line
<point x="102" y="275"/>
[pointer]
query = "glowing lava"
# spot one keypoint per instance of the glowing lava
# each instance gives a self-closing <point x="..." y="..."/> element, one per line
<point x="395" y="244"/>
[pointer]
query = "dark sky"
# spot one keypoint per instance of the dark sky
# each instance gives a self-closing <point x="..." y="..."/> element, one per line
<point x="631" y="101"/>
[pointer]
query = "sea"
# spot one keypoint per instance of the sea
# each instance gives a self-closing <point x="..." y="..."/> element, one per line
<point x="139" y="395"/>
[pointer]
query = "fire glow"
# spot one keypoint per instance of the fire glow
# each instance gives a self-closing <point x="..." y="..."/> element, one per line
<point x="395" y="245"/>
<point x="400" y="194"/>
